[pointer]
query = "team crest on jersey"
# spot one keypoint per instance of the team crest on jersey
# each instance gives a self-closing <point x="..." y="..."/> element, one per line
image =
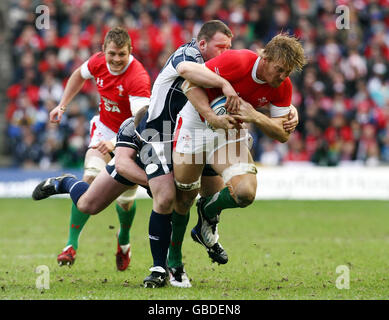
<point x="121" y="89"/>
<point x="262" y="101"/>
<point x="99" y="82"/>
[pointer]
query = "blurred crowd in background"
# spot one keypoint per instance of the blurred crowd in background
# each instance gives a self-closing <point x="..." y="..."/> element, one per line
<point x="342" y="94"/>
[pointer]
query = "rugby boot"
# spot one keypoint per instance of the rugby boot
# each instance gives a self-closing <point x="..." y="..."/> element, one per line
<point x="67" y="257"/>
<point x="49" y="187"/>
<point x="156" y="279"/>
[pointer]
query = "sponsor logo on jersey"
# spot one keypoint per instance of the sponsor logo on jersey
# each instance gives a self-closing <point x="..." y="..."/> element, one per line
<point x="110" y="105"/>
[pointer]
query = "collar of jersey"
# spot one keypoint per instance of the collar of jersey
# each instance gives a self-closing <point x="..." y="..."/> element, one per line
<point x="254" y="72"/>
<point x="125" y="68"/>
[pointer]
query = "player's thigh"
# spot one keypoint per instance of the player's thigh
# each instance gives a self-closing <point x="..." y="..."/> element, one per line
<point x="187" y="175"/>
<point x="211" y="185"/>
<point x="187" y="167"/>
<point x="230" y="155"/>
<point x="164" y="192"/>
<point x="102" y="192"/>
<point x="237" y="168"/>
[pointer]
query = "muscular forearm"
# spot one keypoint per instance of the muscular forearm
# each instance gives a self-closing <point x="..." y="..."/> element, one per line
<point x="73" y="86"/>
<point x="272" y="127"/>
<point x="199" y="99"/>
<point x="200" y="75"/>
<point x="126" y="166"/>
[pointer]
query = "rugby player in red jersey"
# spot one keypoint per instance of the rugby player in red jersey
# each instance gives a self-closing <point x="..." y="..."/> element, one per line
<point x="124" y="87"/>
<point x="260" y="80"/>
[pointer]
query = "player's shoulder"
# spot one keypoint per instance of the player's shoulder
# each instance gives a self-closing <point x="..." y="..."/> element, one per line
<point x="190" y="51"/>
<point x="127" y="136"/>
<point x="97" y="59"/>
<point x="240" y="53"/>
<point x="136" y="74"/>
<point x="235" y="59"/>
<point x="284" y="91"/>
<point x="286" y="85"/>
<point x="135" y="63"/>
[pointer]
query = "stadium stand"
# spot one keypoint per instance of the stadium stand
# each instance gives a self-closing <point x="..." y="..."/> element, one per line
<point x="342" y="94"/>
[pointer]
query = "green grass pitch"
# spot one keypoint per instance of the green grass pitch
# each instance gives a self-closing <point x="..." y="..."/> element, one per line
<point x="277" y="250"/>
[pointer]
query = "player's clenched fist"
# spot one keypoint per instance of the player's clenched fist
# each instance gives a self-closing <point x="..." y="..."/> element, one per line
<point x="55" y="115"/>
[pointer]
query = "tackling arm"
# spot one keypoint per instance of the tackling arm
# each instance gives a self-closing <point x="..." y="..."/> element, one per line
<point x="200" y="75"/>
<point x="200" y="101"/>
<point x="126" y="166"/>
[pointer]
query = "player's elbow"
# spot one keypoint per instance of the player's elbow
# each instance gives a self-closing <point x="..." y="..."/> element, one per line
<point x="183" y="69"/>
<point x="283" y="138"/>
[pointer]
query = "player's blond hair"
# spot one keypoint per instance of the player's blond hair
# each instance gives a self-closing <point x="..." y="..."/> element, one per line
<point x="119" y="36"/>
<point x="286" y="49"/>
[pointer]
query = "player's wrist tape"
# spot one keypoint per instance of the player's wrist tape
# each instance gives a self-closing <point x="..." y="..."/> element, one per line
<point x="187" y="86"/>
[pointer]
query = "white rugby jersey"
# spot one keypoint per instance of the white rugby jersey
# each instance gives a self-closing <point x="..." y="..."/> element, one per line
<point x="167" y="98"/>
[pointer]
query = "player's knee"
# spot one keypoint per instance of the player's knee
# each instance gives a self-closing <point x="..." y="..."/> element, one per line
<point x="164" y="201"/>
<point x="87" y="207"/>
<point x="88" y="179"/>
<point x="126" y="206"/>
<point x="244" y="189"/>
<point x="245" y="197"/>
<point x="241" y="177"/>
<point x="126" y="199"/>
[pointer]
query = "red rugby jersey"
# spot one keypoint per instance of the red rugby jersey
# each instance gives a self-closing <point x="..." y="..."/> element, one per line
<point x="239" y="67"/>
<point x="116" y="89"/>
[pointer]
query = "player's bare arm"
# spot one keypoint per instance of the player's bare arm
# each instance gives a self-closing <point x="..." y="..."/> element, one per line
<point x="140" y="114"/>
<point x="199" y="99"/>
<point x="293" y="120"/>
<point x="200" y="75"/>
<point x="73" y="86"/>
<point x="272" y="127"/>
<point x="126" y="166"/>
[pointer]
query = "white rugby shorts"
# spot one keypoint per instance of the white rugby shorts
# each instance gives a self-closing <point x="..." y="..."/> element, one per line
<point x="192" y="136"/>
<point x="99" y="131"/>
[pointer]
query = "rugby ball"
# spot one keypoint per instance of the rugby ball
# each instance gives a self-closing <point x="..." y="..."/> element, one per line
<point x="218" y="106"/>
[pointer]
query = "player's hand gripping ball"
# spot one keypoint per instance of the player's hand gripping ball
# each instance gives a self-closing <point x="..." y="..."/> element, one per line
<point x="218" y="106"/>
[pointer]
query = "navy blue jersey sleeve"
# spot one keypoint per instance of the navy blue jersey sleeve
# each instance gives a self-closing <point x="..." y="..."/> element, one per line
<point x="186" y="53"/>
<point x="127" y="136"/>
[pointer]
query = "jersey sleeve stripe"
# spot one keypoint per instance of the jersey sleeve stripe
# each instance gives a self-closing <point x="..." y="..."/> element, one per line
<point x="276" y="112"/>
<point x="127" y="144"/>
<point x="85" y="73"/>
<point x="138" y="103"/>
